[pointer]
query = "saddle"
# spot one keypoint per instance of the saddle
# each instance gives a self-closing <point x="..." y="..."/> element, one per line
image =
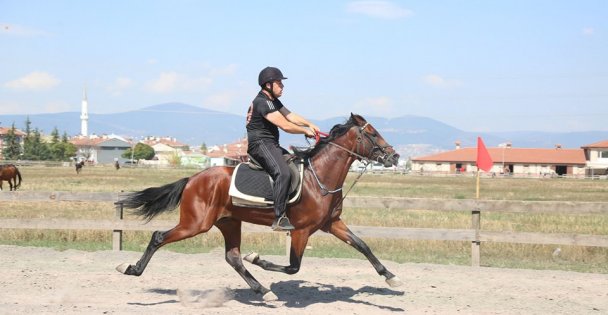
<point x="251" y="186"/>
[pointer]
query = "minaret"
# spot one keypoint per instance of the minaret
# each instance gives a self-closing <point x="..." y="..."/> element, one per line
<point x="84" y="116"/>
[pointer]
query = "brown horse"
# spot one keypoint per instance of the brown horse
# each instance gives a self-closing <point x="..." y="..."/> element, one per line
<point x="204" y="202"/>
<point x="10" y="173"/>
<point x="79" y="166"/>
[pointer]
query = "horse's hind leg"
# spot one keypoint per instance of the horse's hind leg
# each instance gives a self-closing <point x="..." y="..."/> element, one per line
<point x="231" y="230"/>
<point x="158" y="240"/>
<point x="341" y="231"/>
<point x="299" y="239"/>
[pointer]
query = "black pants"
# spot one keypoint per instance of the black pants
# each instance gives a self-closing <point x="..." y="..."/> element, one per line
<point x="270" y="156"/>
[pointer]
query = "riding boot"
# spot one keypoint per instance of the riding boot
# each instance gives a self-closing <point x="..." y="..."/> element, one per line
<point x="281" y="223"/>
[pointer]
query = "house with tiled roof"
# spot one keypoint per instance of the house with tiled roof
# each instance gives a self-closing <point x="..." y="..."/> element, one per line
<point x="507" y="160"/>
<point x="100" y="149"/>
<point x="20" y="135"/>
<point x="228" y="154"/>
<point x="596" y="155"/>
<point x="166" y="149"/>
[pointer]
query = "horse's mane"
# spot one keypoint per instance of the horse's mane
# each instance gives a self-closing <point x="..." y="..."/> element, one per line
<point x="335" y="132"/>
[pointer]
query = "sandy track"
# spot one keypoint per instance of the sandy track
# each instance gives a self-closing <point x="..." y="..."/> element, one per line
<point x="40" y="280"/>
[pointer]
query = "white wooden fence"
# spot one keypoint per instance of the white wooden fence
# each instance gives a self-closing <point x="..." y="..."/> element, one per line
<point x="474" y="234"/>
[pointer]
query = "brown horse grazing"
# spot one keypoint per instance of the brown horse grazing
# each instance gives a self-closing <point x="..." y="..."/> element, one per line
<point x="205" y="202"/>
<point x="10" y="173"/>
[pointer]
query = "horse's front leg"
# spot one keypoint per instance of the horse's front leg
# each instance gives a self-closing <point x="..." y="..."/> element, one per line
<point x="341" y="231"/>
<point x="231" y="230"/>
<point x="299" y="239"/>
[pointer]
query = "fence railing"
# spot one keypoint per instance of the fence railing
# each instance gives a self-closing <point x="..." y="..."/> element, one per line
<point x="474" y="234"/>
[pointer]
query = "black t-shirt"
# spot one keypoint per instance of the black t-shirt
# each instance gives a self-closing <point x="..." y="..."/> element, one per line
<point x="258" y="127"/>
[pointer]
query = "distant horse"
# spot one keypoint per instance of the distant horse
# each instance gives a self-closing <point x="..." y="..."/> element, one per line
<point x="204" y="202"/>
<point x="79" y="166"/>
<point x="117" y="165"/>
<point x="10" y="173"/>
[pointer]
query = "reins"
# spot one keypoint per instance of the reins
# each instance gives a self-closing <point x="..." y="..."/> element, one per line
<point x="324" y="190"/>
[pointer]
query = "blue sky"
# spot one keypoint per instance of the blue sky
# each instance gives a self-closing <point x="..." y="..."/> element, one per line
<point x="476" y="65"/>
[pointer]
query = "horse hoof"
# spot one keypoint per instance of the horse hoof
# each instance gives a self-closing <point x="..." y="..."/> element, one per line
<point x="252" y="257"/>
<point x="122" y="268"/>
<point x="269" y="297"/>
<point x="394" y="282"/>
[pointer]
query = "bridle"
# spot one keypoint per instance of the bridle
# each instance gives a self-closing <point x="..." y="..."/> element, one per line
<point x="366" y="160"/>
<point x="372" y="138"/>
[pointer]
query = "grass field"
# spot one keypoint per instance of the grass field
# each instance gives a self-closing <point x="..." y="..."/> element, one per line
<point x="107" y="179"/>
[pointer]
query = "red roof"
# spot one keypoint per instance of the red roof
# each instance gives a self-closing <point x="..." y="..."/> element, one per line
<point x="166" y="141"/>
<point x="236" y="150"/>
<point x="5" y="130"/>
<point x="600" y="144"/>
<point x="511" y="155"/>
<point x="82" y="141"/>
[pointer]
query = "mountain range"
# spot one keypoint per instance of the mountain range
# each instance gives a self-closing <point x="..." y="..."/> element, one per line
<point x="410" y="135"/>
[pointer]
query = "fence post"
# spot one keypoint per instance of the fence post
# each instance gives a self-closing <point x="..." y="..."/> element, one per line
<point x="117" y="234"/>
<point x="476" y="243"/>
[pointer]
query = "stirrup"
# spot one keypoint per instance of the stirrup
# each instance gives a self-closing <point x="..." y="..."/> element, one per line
<point x="282" y="224"/>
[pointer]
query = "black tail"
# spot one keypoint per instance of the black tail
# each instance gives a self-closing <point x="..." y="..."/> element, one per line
<point x="19" y="176"/>
<point x="153" y="201"/>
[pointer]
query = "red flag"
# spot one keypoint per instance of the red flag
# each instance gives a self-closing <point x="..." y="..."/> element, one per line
<point x="484" y="161"/>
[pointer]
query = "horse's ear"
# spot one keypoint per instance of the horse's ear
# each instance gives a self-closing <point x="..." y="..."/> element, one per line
<point x="357" y="119"/>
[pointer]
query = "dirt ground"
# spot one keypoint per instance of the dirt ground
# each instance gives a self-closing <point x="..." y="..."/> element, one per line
<point x="45" y="281"/>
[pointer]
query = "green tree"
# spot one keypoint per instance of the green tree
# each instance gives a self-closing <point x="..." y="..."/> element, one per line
<point x="12" y="149"/>
<point x="203" y="148"/>
<point x="56" y="148"/>
<point x="35" y="148"/>
<point x="28" y="127"/>
<point x="69" y="149"/>
<point x="141" y="151"/>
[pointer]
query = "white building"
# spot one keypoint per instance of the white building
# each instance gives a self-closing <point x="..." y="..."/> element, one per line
<point x="597" y="158"/>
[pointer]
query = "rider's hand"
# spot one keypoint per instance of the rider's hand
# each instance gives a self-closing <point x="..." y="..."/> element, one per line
<point x="314" y="128"/>
<point x="309" y="133"/>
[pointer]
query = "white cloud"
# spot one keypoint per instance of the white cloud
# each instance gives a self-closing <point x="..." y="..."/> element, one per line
<point x="172" y="81"/>
<point x="165" y="83"/>
<point x="119" y="85"/>
<point x="588" y="31"/>
<point x="10" y="107"/>
<point x="379" y="9"/>
<point x="20" y="31"/>
<point x="438" y="81"/>
<point x="221" y="99"/>
<point x="34" y="81"/>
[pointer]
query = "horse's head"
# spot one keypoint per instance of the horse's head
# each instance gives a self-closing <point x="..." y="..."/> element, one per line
<point x="370" y="144"/>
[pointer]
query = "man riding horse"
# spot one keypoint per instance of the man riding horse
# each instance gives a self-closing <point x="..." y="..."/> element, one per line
<point x="265" y="116"/>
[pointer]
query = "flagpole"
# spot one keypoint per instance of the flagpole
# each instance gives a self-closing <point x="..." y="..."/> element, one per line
<point x="477" y="188"/>
<point x="483" y="161"/>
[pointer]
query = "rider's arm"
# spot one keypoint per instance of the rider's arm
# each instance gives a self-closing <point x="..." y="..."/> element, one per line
<point x="297" y="119"/>
<point x="281" y="121"/>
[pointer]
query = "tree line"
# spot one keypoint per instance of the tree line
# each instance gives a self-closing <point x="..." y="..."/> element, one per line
<point x="35" y="148"/>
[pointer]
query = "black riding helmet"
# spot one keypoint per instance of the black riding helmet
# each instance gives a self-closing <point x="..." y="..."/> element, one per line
<point x="269" y="74"/>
